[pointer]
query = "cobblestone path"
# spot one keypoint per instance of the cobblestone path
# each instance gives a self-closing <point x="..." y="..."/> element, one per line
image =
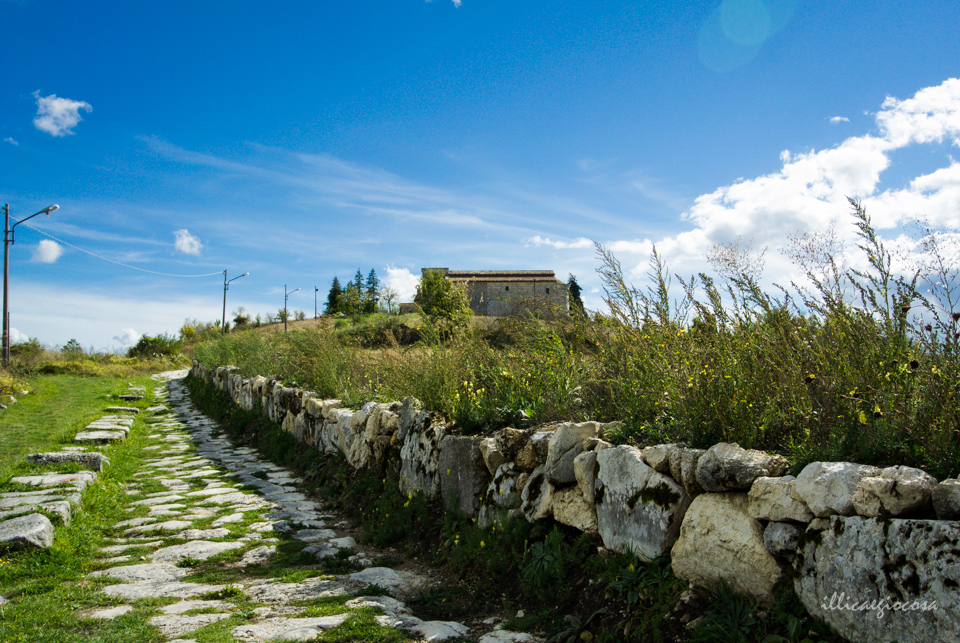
<point x="211" y="536"/>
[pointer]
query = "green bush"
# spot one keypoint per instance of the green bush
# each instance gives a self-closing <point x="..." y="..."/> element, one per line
<point x="162" y="345"/>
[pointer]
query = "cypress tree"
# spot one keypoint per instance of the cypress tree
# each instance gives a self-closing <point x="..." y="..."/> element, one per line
<point x="334" y="299"/>
<point x="372" y="295"/>
<point x="573" y="291"/>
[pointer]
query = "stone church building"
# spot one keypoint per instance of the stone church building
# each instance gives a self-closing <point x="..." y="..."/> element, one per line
<point x="508" y="292"/>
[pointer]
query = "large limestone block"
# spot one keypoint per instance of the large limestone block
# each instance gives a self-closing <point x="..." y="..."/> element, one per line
<point x="570" y="508"/>
<point x="828" y="487"/>
<point x="658" y="456"/>
<point x="289" y="423"/>
<point x="510" y="441"/>
<point x="493" y="457"/>
<point x="314" y="408"/>
<point x="420" y="456"/>
<point x="719" y="541"/>
<point x="502" y="490"/>
<point x="777" y="499"/>
<point x="946" y="499"/>
<point x="534" y="452"/>
<point x="382" y="421"/>
<point x="727" y="467"/>
<point x="247" y="401"/>
<point x="350" y="433"/>
<point x="536" y="499"/>
<point x="683" y="468"/>
<point x="638" y="509"/>
<point x="585" y="469"/>
<point x="30" y="531"/>
<point x="896" y="491"/>
<point x="564" y="445"/>
<point x="870" y="578"/>
<point x="463" y="475"/>
<point x="409" y="412"/>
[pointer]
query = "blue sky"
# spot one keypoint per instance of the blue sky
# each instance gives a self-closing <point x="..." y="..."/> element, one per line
<point x="301" y="140"/>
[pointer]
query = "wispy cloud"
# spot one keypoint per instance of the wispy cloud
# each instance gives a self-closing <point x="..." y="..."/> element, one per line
<point x="187" y="243"/>
<point x="11" y="141"/>
<point x="839" y="119"/>
<point x="47" y="252"/>
<point x="58" y="116"/>
<point x="582" y="242"/>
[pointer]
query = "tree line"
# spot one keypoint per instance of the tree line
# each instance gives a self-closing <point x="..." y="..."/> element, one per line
<point x="360" y="296"/>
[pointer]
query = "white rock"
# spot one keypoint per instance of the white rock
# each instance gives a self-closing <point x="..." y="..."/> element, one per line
<point x="440" y="630"/>
<point x="149" y="573"/>
<point x="658" y="456"/>
<point x="777" y="499"/>
<point x="828" y="487"/>
<point x="198" y="549"/>
<point x="720" y="541"/>
<point x="896" y="491"/>
<point x="570" y="508"/>
<point x="585" y="469"/>
<point x="638" y="509"/>
<point x="536" y="499"/>
<point x="946" y="499"/>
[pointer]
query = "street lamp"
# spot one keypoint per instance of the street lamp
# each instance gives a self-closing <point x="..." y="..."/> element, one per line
<point x="226" y="286"/>
<point x="315" y="290"/>
<point x="285" y="313"/>
<point x="8" y="240"/>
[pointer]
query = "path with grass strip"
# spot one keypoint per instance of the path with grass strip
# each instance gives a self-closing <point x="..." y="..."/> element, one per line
<point x="228" y="548"/>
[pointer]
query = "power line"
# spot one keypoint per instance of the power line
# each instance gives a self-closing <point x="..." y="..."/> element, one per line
<point x="92" y="254"/>
<point x="260" y="293"/>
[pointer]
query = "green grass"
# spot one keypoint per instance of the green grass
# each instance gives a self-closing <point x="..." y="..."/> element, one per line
<point x="51" y="414"/>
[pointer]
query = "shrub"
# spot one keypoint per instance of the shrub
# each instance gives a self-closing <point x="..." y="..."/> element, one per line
<point x="162" y="345"/>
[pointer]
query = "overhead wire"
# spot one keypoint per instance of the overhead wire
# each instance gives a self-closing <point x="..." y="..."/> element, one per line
<point x="93" y="254"/>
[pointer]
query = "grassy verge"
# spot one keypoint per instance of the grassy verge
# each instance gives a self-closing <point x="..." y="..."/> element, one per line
<point x="545" y="577"/>
<point x="46" y="587"/>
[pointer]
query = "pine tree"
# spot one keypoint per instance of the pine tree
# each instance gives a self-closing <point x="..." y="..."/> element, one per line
<point x="372" y="294"/>
<point x="355" y="295"/>
<point x="573" y="291"/>
<point x="334" y="299"/>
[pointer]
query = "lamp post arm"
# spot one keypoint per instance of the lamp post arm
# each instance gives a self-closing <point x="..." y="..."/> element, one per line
<point x="13" y="228"/>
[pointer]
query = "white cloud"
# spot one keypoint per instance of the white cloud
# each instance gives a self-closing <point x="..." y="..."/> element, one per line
<point x="10" y="140"/>
<point x="403" y="282"/>
<point x="839" y="119"/>
<point x="187" y="243"/>
<point x="58" y="116"/>
<point x="809" y="192"/>
<point x="457" y="3"/>
<point x="127" y="337"/>
<point x="581" y="242"/>
<point x="16" y="336"/>
<point x="47" y="252"/>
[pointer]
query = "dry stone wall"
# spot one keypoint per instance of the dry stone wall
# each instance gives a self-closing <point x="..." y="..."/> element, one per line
<point x="873" y="552"/>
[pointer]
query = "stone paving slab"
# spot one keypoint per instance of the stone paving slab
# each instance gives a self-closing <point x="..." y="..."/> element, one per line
<point x="33" y="531"/>
<point x="79" y="479"/>
<point x="91" y="460"/>
<point x="100" y="436"/>
<point x="193" y="461"/>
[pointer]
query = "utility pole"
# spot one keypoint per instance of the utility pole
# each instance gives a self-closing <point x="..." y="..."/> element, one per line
<point x="315" y="290"/>
<point x="6" y="279"/>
